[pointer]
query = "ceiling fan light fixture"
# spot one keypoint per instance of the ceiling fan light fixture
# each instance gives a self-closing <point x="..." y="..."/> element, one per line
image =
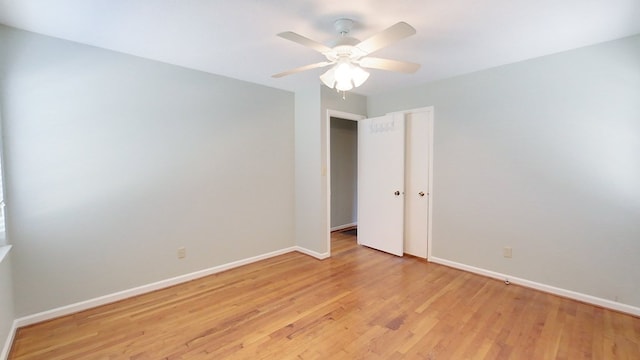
<point x="329" y="77"/>
<point x="359" y="76"/>
<point x="344" y="76"/>
<point x="343" y="72"/>
<point x="344" y="85"/>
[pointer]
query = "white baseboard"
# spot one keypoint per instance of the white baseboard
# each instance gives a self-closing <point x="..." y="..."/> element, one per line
<point x="345" y="226"/>
<point x="91" y="303"/>
<point x="317" y="255"/>
<point x="4" y="354"/>
<point x="121" y="295"/>
<point x="609" y="304"/>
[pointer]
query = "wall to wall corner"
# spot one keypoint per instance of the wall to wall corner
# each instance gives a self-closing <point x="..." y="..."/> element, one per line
<point x="542" y="156"/>
<point x="308" y="171"/>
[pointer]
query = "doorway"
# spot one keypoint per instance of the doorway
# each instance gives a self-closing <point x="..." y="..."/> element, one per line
<point x="342" y="169"/>
<point x="344" y="173"/>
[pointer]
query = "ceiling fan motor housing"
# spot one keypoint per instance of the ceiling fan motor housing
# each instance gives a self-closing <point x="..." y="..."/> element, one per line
<point x="344" y="46"/>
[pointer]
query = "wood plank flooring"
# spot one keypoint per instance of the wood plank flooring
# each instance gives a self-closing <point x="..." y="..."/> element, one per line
<point x="359" y="304"/>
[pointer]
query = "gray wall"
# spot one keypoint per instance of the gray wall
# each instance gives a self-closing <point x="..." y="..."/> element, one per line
<point x="542" y="156"/>
<point x="311" y="129"/>
<point x="308" y="227"/>
<point x="113" y="162"/>
<point x="344" y="171"/>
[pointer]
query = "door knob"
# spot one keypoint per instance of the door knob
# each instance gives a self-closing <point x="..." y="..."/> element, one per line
<point x="397" y="193"/>
<point x="421" y="193"/>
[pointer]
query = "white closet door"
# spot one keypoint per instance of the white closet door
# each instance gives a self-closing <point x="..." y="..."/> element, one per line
<point x="417" y="183"/>
<point x="381" y="183"/>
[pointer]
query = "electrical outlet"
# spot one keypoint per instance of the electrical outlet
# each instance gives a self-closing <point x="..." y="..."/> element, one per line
<point x="506" y="252"/>
<point x="182" y="253"/>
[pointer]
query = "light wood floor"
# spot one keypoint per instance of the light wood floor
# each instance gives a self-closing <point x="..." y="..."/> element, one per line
<point x="359" y="304"/>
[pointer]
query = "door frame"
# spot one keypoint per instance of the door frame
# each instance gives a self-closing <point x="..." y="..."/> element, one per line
<point x="327" y="172"/>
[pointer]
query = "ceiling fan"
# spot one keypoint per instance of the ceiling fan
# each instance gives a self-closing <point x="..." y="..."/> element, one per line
<point x="349" y="55"/>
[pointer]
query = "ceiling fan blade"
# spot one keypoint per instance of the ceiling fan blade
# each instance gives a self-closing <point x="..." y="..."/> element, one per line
<point x="387" y="37"/>
<point x="391" y="65"/>
<point x="297" y="38"/>
<point x="302" y="68"/>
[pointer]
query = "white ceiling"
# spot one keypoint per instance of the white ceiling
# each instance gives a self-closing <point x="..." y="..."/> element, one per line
<point x="237" y="38"/>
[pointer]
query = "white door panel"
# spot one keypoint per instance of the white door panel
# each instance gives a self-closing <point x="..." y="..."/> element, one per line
<point x="417" y="183"/>
<point x="381" y="169"/>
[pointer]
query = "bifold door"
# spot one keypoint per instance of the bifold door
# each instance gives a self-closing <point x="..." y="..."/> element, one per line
<point x="416" y="195"/>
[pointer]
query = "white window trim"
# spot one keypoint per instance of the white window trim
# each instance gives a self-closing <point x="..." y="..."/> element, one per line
<point x="4" y="250"/>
